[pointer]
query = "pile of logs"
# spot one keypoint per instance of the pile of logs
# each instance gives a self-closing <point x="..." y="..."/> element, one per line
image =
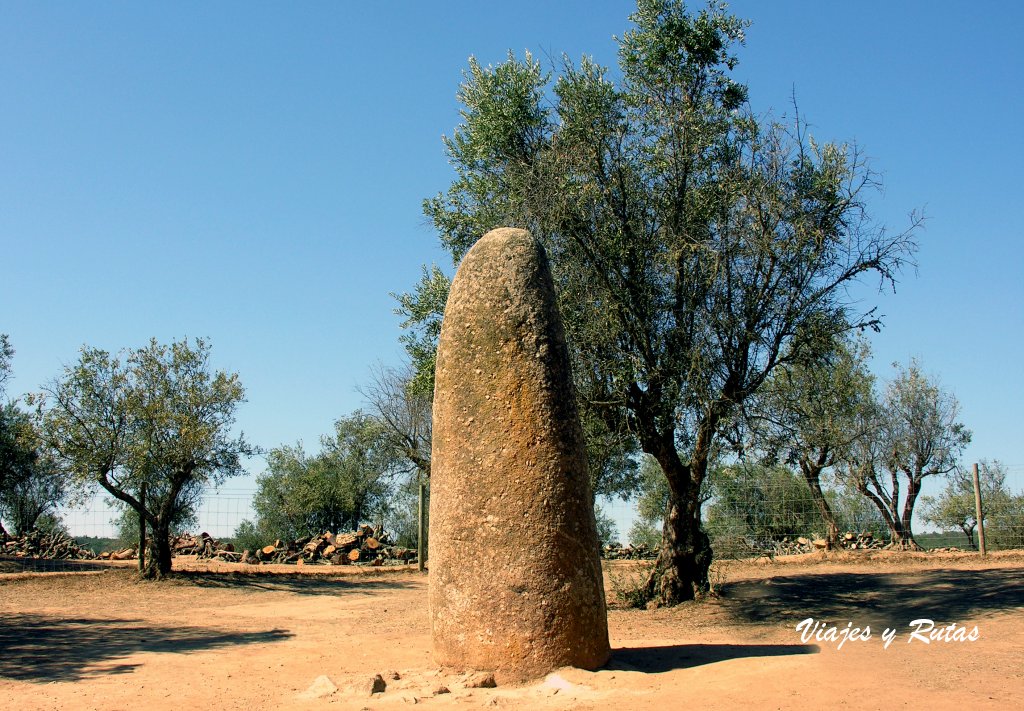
<point x="362" y="547"/>
<point x="614" y="551"/>
<point x="203" y="546"/>
<point x="801" y="544"/>
<point x="36" y="544"/>
<point x="861" y="541"/>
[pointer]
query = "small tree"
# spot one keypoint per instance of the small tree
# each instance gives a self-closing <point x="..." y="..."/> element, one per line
<point x="955" y="506"/>
<point x="808" y="416"/>
<point x="157" y="416"/>
<point x="913" y="433"/>
<point x="347" y="483"/>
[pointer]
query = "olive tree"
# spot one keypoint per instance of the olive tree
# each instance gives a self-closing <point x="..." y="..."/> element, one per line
<point x="913" y="432"/>
<point x="695" y="246"/>
<point x="808" y="415"/>
<point x="157" y="416"/>
<point x="955" y="507"/>
<point x="345" y="484"/>
<point x="32" y="486"/>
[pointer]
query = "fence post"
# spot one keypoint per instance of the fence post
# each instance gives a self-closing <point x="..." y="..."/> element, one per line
<point x="977" y="509"/>
<point x="142" y="529"/>
<point x="421" y="529"/>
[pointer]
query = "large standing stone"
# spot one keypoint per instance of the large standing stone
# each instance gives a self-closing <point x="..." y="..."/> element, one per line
<point x="515" y="574"/>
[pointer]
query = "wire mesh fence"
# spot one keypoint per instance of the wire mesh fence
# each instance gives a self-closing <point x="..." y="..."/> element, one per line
<point x="769" y="518"/>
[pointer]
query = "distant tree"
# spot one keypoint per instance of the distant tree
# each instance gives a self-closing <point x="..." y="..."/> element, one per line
<point x="753" y="504"/>
<point x="31" y="483"/>
<point x="126" y="522"/>
<point x="404" y="411"/>
<point x="1004" y="523"/>
<point x="607" y="530"/>
<point x="913" y="433"/>
<point x="158" y="416"/>
<point x="695" y="247"/>
<point x="808" y="415"/>
<point x="403" y="512"/>
<point x="6" y="353"/>
<point x="955" y="506"/>
<point x="347" y="483"/>
<point x="854" y="512"/>
<point x="249" y="537"/>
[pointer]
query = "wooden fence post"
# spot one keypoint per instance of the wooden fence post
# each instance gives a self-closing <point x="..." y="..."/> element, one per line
<point x="977" y="509"/>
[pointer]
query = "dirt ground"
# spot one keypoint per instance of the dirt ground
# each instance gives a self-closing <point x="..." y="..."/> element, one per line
<point x="209" y="639"/>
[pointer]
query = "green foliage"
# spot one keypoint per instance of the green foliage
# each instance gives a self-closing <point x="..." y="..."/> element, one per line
<point x="249" y="537"/>
<point x="157" y="416"/>
<point x="754" y="504"/>
<point x="6" y="353"/>
<point x="854" y="512"/>
<point x="1004" y="523"/>
<point x="809" y="411"/>
<point x="607" y="531"/>
<point x="349" y="482"/>
<point x="810" y="414"/>
<point x="422" y="311"/>
<point x="97" y="544"/>
<point x="642" y="533"/>
<point x="126" y="523"/>
<point x="955" y="507"/>
<point x="652" y="502"/>
<point x="31" y="483"/>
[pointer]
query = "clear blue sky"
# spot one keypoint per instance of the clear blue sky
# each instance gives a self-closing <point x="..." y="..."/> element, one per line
<point x="253" y="173"/>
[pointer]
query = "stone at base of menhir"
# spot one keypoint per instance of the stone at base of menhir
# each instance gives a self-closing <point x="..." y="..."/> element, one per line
<point x="515" y="573"/>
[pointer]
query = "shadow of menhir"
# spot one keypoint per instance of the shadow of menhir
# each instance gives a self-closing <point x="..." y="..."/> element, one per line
<point x="655" y="660"/>
<point x="877" y="599"/>
<point x="42" y="649"/>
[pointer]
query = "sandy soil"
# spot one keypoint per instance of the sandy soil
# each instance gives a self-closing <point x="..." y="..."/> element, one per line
<point x="209" y="639"/>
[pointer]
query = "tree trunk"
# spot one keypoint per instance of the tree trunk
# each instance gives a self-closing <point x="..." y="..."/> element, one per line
<point x="681" y="570"/>
<point x="907" y="519"/>
<point x="158" y="563"/>
<point x="969" y="533"/>
<point x="812" y="475"/>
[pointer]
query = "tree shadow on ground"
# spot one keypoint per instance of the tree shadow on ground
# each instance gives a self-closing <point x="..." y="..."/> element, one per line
<point x="876" y="599"/>
<point x="295" y="583"/>
<point x="43" y="649"/>
<point x="655" y="660"/>
<point x="45" y="565"/>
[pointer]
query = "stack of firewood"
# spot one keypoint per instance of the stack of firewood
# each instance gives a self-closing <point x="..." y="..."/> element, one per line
<point x="36" y="544"/>
<point x="861" y="541"/>
<point x="362" y="547"/>
<point x="637" y="552"/>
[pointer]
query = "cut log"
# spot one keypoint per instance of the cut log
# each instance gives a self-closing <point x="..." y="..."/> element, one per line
<point x="371" y="543"/>
<point x="344" y="541"/>
<point x="354" y="555"/>
<point x="269" y="550"/>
